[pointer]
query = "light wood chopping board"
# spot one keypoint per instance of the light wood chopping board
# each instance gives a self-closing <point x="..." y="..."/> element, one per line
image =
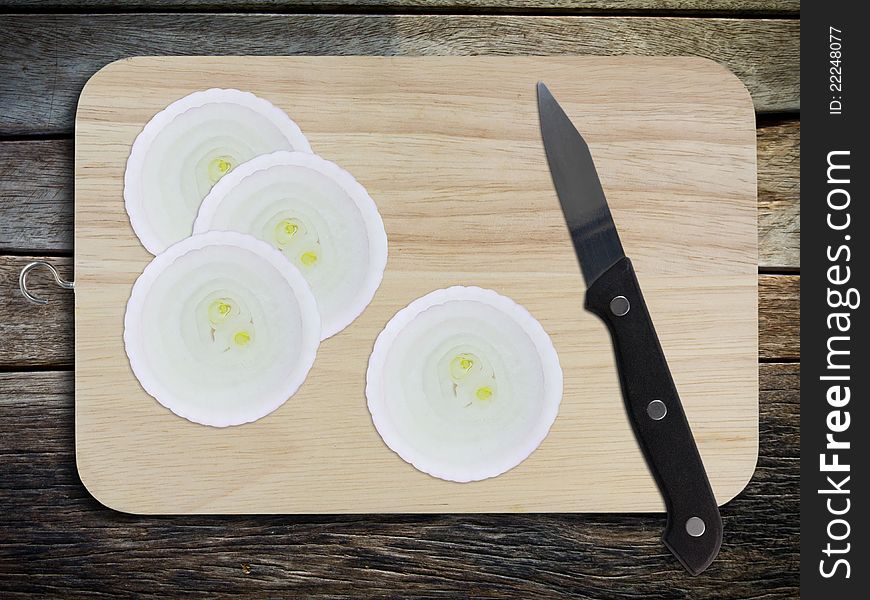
<point x="450" y="150"/>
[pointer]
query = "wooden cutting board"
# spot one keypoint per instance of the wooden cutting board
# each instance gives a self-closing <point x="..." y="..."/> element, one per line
<point x="450" y="150"/>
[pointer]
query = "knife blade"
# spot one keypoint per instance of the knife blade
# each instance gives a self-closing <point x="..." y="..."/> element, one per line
<point x="693" y="532"/>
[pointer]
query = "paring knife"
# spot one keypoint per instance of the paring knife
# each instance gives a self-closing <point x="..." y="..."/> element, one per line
<point x="694" y="528"/>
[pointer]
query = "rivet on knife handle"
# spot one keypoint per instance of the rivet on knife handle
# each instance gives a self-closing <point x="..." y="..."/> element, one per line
<point x="694" y="529"/>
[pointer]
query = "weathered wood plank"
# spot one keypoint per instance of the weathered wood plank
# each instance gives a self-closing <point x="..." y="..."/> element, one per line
<point x="57" y="540"/>
<point x="43" y="335"/>
<point x="32" y="334"/>
<point x="779" y="317"/>
<point x="36" y="195"/>
<point x="757" y="7"/>
<point x="779" y="210"/>
<point x="48" y="58"/>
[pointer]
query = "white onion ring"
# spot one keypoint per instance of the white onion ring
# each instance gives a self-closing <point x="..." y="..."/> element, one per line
<point x="221" y="329"/>
<point x="318" y="215"/>
<point x="188" y="146"/>
<point x="463" y="383"/>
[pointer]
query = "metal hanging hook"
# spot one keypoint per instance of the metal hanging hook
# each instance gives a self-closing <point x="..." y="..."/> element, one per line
<point x="22" y="280"/>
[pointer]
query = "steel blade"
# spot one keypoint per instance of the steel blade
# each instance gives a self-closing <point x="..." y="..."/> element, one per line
<point x="593" y="233"/>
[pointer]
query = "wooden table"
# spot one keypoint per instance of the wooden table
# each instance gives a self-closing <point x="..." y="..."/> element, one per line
<point x="57" y="540"/>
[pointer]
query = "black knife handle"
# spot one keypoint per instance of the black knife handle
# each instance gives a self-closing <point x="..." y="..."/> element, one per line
<point x="666" y="441"/>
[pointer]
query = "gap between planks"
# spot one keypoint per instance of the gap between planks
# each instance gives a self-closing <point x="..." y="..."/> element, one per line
<point x="734" y="9"/>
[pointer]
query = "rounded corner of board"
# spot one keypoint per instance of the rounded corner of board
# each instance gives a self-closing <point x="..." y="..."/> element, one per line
<point x="747" y="473"/>
<point x="107" y="68"/>
<point x="101" y="73"/>
<point x="98" y="493"/>
<point x="730" y="76"/>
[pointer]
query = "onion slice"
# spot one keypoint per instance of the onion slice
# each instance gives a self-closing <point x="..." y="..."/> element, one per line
<point x="189" y="146"/>
<point x="463" y="383"/>
<point x="318" y="216"/>
<point x="221" y="329"/>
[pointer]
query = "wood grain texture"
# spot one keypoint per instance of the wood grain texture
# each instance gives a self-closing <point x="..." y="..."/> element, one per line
<point x="48" y="58"/>
<point x="58" y="541"/>
<point x="450" y="149"/>
<point x="779" y="315"/>
<point x="754" y="7"/>
<point x="36" y="196"/>
<point x="779" y="211"/>
<point x="36" y="185"/>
